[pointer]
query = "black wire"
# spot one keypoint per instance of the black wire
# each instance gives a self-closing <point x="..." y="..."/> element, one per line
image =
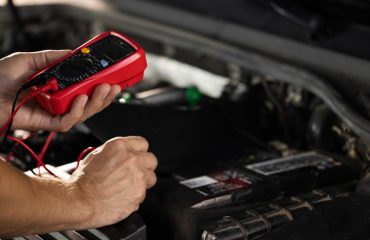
<point x="279" y="107"/>
<point x="221" y="104"/>
<point x="19" y="154"/>
<point x="33" y="172"/>
<point x="25" y="86"/>
<point x="15" y="14"/>
<point x="8" y="130"/>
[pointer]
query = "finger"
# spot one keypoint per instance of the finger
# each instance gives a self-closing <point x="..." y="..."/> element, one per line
<point x="97" y="100"/>
<point x="39" y="60"/>
<point x="137" y="143"/>
<point x="151" y="179"/>
<point x="115" y="89"/>
<point x="148" y="160"/>
<point x="29" y="63"/>
<point x="66" y="122"/>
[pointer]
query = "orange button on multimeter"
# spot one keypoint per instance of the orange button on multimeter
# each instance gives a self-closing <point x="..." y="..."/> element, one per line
<point x="85" y="50"/>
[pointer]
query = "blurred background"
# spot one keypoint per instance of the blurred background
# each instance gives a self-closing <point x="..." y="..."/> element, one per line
<point x="260" y="108"/>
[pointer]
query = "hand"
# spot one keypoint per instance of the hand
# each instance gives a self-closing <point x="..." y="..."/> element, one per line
<point x="14" y="71"/>
<point x="112" y="180"/>
<point x="108" y="186"/>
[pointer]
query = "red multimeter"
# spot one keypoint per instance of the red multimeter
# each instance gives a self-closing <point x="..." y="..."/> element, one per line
<point x="109" y="58"/>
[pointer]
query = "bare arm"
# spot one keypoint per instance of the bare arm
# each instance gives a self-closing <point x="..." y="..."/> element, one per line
<point x="30" y="204"/>
<point x="109" y="186"/>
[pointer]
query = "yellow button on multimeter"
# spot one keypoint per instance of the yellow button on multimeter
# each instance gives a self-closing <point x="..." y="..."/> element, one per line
<point x="85" y="50"/>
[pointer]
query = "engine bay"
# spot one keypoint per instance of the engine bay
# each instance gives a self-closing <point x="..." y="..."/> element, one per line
<point x="243" y="153"/>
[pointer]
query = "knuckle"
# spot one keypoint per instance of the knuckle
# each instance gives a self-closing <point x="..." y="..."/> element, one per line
<point x="141" y="195"/>
<point x="141" y="139"/>
<point x="116" y="145"/>
<point x="145" y="141"/>
<point x="154" y="179"/>
<point x="154" y="160"/>
<point x="132" y="160"/>
<point x="141" y="177"/>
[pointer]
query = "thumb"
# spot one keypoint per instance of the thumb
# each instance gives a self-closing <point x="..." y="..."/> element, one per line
<point x="39" y="60"/>
<point x="21" y="65"/>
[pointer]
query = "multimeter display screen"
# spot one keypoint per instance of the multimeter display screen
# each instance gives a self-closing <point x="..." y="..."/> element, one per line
<point x="113" y="50"/>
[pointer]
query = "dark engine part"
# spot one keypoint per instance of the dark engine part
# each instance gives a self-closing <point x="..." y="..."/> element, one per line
<point x="174" y="135"/>
<point x="132" y="228"/>
<point x="320" y="133"/>
<point x="262" y="220"/>
<point x="342" y="218"/>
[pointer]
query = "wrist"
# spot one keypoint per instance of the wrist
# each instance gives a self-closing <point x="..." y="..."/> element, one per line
<point x="85" y="209"/>
<point x="62" y="203"/>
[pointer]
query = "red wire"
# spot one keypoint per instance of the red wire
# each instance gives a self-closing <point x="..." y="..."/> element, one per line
<point x="82" y="155"/>
<point x="47" y="142"/>
<point x="39" y="158"/>
<point x="24" y="100"/>
<point x="45" y="148"/>
<point x="5" y="126"/>
<point x="46" y="145"/>
<point x="39" y="161"/>
<point x="11" y="154"/>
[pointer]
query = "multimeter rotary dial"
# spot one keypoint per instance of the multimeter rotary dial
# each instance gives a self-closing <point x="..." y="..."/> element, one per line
<point x="76" y="68"/>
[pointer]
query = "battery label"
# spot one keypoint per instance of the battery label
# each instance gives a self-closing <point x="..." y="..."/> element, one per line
<point x="285" y="164"/>
<point x="220" y="182"/>
<point x="198" y="182"/>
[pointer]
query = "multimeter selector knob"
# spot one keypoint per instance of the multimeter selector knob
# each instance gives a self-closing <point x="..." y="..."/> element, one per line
<point x="76" y="68"/>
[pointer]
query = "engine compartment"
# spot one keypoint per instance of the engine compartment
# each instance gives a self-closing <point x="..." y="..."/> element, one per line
<point x="242" y="153"/>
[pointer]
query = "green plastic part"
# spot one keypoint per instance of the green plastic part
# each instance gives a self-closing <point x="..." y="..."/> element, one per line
<point x="193" y="96"/>
<point x="127" y="97"/>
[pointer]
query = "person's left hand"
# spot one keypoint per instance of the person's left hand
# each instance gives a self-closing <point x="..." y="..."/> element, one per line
<point x="14" y="71"/>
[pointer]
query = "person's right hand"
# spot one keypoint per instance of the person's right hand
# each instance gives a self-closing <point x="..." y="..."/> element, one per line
<point x="112" y="180"/>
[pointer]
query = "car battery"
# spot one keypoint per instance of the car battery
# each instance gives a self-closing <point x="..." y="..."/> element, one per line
<point x="189" y="195"/>
<point x="304" y="171"/>
<point x="257" y="222"/>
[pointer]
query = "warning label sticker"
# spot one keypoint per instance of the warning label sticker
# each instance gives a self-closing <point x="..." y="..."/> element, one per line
<point x="220" y="182"/>
<point x="198" y="182"/>
<point x="285" y="164"/>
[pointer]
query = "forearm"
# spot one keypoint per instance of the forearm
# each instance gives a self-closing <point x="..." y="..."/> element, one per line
<point x="37" y="205"/>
